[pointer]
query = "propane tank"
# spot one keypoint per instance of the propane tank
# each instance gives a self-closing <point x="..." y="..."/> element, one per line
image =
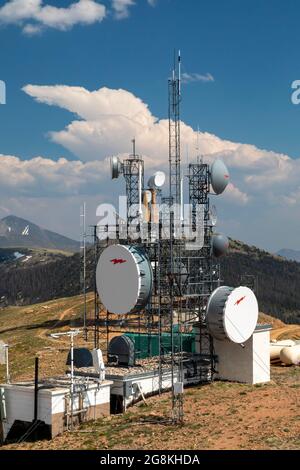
<point x="290" y="355"/>
<point x="276" y="347"/>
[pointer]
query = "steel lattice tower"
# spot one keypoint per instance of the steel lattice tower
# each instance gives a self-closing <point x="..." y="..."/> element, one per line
<point x="173" y="254"/>
<point x="174" y="135"/>
<point x="204" y="275"/>
<point x="133" y="170"/>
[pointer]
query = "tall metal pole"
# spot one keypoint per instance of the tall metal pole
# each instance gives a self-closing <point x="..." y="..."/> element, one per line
<point x="96" y="326"/>
<point x="174" y="132"/>
<point x="171" y="280"/>
<point x="83" y="215"/>
<point x="72" y="379"/>
<point x="7" y="364"/>
<point x="36" y="389"/>
<point x="175" y="197"/>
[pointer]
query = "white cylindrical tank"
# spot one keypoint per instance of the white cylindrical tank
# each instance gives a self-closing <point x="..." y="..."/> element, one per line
<point x="276" y="347"/>
<point x="290" y="355"/>
<point x="232" y="314"/>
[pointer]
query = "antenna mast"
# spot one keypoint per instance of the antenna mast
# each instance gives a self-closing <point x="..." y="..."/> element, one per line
<point x="83" y="272"/>
<point x="174" y="132"/>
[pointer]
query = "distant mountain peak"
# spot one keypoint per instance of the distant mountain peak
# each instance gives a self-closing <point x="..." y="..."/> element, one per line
<point x="292" y="255"/>
<point x="18" y="232"/>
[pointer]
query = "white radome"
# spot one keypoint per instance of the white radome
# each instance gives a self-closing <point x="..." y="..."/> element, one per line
<point x="124" y="279"/>
<point x="232" y="314"/>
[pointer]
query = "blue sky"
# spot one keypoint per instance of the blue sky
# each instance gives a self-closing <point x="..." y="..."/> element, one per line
<point x="250" y="48"/>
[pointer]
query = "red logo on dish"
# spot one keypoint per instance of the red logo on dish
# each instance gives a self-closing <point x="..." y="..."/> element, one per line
<point x="240" y="300"/>
<point x="118" y="261"/>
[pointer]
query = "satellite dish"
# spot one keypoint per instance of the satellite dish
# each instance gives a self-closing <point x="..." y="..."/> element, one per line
<point x="115" y="166"/>
<point x="157" y="180"/>
<point x="213" y="216"/>
<point x="124" y="279"/>
<point x="220" y="244"/>
<point x="232" y="314"/>
<point x="219" y="176"/>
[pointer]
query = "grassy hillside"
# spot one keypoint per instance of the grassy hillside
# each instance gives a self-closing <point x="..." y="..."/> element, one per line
<point x="42" y="275"/>
<point x="27" y="330"/>
<point x="278" y="279"/>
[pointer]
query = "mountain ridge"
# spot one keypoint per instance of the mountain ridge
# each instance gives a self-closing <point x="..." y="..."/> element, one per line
<point x="18" y="232"/>
<point x="291" y="255"/>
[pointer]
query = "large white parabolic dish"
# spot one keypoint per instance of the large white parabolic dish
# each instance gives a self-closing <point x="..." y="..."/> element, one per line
<point x="220" y="244"/>
<point x="232" y="314"/>
<point x="219" y="176"/>
<point x="124" y="279"/>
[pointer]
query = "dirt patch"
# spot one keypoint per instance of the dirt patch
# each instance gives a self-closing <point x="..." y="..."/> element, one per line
<point x="286" y="332"/>
<point x="267" y="319"/>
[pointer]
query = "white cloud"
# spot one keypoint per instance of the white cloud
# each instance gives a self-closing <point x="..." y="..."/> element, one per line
<point x="108" y="121"/>
<point x="264" y="186"/>
<point x="15" y="11"/>
<point x="196" y="77"/>
<point x="43" y="177"/>
<point x="32" y="29"/>
<point x="234" y="195"/>
<point x="121" y="8"/>
<point x="34" y="15"/>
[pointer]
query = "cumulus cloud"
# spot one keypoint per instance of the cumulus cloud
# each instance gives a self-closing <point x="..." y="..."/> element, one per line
<point x="234" y="195"/>
<point x="32" y="29"/>
<point x="121" y="8"/>
<point x="43" y="177"/>
<point x="196" y="77"/>
<point x="108" y="119"/>
<point x="34" y="15"/>
<point x="264" y="185"/>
